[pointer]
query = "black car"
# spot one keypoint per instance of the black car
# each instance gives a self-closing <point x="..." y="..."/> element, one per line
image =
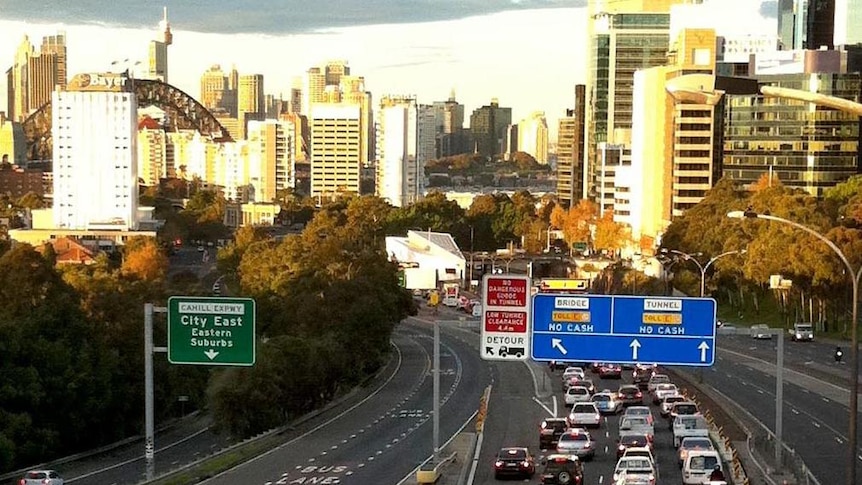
<point x="514" y="462"/>
<point x="550" y="431"/>
<point x="629" y="395"/>
<point x="563" y="470"/>
<point x="641" y="376"/>
<point x="632" y="441"/>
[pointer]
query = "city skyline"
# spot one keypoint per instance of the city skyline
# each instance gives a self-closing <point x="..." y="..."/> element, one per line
<point x="474" y="50"/>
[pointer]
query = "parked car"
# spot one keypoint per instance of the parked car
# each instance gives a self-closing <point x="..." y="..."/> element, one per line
<point x="550" y="431"/>
<point x="760" y="332"/>
<point x="578" y="442"/>
<point x="689" y="425"/>
<point x="584" y="415"/>
<point x="563" y="470"/>
<point x="41" y="477"/>
<point x="514" y="462"/>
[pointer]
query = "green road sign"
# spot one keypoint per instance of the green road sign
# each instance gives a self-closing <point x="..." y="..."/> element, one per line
<point x="211" y="331"/>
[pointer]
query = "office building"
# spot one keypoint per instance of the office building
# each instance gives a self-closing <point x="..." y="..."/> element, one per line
<point x="399" y="170"/>
<point x="152" y="152"/>
<point x="334" y="70"/>
<point x="95" y="154"/>
<point x="271" y="159"/>
<point x="251" y="100"/>
<point x="570" y="151"/>
<point x="13" y="149"/>
<point x="35" y="74"/>
<point x="624" y="37"/>
<point x="533" y="137"/>
<point x="848" y="23"/>
<point x="336" y="149"/>
<point x="216" y="93"/>
<point x="157" y="66"/>
<point x="451" y="136"/>
<point x="812" y="148"/>
<point x="313" y="89"/>
<point x="488" y="126"/>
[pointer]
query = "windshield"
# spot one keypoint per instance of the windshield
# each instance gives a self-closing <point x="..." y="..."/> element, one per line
<point x="703" y="462"/>
<point x="803" y="328"/>
<point x="601" y="397"/>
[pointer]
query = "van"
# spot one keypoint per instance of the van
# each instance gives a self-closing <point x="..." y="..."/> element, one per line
<point x="802" y="332"/>
<point x="698" y="466"/>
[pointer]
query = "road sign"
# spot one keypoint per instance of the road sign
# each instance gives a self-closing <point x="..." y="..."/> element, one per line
<point x="505" y="317"/>
<point x="624" y="329"/>
<point x="211" y="331"/>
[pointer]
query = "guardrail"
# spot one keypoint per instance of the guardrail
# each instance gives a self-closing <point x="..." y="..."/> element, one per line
<point x="723" y="445"/>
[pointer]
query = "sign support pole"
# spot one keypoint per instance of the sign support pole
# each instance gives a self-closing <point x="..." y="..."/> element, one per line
<point x="436" y="431"/>
<point x="149" y="420"/>
<point x="779" y="399"/>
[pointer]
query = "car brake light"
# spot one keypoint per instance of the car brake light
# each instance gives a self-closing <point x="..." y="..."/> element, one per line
<point x="598" y="416"/>
<point x="525" y="464"/>
<point x="498" y="464"/>
<point x="639" y="394"/>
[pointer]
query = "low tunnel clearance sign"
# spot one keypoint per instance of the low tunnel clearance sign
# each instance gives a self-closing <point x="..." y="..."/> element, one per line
<point x="211" y="331"/>
<point x="505" y="317"/>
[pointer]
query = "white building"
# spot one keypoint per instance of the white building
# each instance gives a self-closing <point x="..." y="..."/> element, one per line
<point x="271" y="158"/>
<point x="430" y="250"/>
<point x="336" y="147"/>
<point x="95" y="155"/>
<point x="533" y="137"/>
<point x="400" y="172"/>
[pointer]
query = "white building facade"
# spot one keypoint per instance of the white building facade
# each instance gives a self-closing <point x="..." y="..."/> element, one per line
<point x="272" y="161"/>
<point x="400" y="173"/>
<point x="95" y="159"/>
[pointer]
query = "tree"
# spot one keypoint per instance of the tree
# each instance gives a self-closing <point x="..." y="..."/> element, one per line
<point x="610" y="235"/>
<point x="143" y="259"/>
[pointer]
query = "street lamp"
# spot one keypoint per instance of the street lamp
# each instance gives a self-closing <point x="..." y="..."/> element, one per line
<point x="703" y="267"/>
<point x="854" y="336"/>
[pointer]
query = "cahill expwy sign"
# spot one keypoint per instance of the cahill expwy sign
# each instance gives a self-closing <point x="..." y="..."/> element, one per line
<point x="211" y="331"/>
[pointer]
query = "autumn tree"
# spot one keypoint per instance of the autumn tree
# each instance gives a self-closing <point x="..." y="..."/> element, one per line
<point x="610" y="235"/>
<point x="143" y="259"/>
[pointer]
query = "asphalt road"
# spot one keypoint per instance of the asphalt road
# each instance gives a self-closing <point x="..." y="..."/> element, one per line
<point x="514" y="417"/>
<point x="385" y="437"/>
<point x="815" y="411"/>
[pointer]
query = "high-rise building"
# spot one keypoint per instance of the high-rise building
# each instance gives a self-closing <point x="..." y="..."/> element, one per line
<point x="848" y="20"/>
<point x="336" y="149"/>
<point x="314" y="89"/>
<point x="214" y="89"/>
<point x="451" y="137"/>
<point x="399" y="171"/>
<point x="791" y="24"/>
<point x="13" y="148"/>
<point x="158" y="54"/>
<point x="334" y="70"/>
<point x="624" y="36"/>
<point x="820" y="24"/>
<point x="272" y="165"/>
<point x="488" y="127"/>
<point x="251" y="100"/>
<point x="152" y="152"/>
<point x="35" y="74"/>
<point x="533" y="137"/>
<point x="95" y="154"/>
<point x="570" y="151"/>
<point x="812" y="149"/>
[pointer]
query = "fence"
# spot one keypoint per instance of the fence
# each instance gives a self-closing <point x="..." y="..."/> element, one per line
<point x="761" y="442"/>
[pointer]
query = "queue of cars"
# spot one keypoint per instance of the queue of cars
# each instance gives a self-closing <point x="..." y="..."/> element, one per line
<point x="570" y="443"/>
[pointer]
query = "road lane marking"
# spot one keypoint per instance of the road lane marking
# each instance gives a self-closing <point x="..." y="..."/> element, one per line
<point x="824" y="399"/>
<point x="760" y="391"/>
<point x="794" y="411"/>
<point x="601" y="479"/>
<point x="839" y="440"/>
<point x="816" y="424"/>
<point x="546" y="408"/>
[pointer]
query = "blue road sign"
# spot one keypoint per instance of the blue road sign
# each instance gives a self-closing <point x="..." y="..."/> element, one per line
<point x="624" y="329"/>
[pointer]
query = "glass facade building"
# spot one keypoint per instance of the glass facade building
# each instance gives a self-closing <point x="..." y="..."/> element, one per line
<point x="805" y="146"/>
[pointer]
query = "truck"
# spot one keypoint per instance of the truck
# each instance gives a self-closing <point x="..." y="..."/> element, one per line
<point x="802" y="332"/>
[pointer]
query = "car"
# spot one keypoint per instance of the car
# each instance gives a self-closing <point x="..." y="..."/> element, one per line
<point x="689" y="425"/>
<point x="595" y="366"/>
<point x="640" y="411"/>
<point x="41" y="477"/>
<point x="663" y="390"/>
<point x="585" y="414"/>
<point x="698" y="465"/>
<point x="201" y="249"/>
<point x="636" y="425"/>
<point x="562" y="470"/>
<point x="577" y="394"/>
<point x="629" y="395"/>
<point x="802" y="332"/>
<point x="668" y="401"/>
<point x="558" y="364"/>
<point x="573" y="371"/>
<point x="760" y="332"/>
<point x="627" y="441"/>
<point x="578" y="442"/>
<point x="640" y="469"/>
<point x="681" y="408"/>
<point x="607" y="402"/>
<point x="655" y="380"/>
<point x="693" y="443"/>
<point x="550" y="431"/>
<point x="643" y="451"/>
<point x="641" y="376"/>
<point x="515" y="461"/>
<point x="477" y="310"/>
<point x="611" y="371"/>
<point x="588" y="383"/>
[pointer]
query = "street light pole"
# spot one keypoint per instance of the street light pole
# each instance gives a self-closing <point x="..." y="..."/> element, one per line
<point x="854" y="335"/>
<point x="704" y="267"/>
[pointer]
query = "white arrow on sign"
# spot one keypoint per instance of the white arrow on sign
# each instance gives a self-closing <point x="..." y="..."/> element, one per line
<point x="211" y="354"/>
<point x="703" y="348"/>
<point x="558" y="344"/>
<point x="635" y="345"/>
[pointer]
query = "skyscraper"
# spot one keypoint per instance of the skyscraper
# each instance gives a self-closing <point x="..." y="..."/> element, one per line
<point x="570" y="151"/>
<point x="399" y="171"/>
<point x="336" y="149"/>
<point x="533" y="137"/>
<point x="251" y="100"/>
<point x="272" y="165"/>
<point x="157" y="67"/>
<point x="791" y="24"/>
<point x="35" y="74"/>
<point x="451" y="138"/>
<point x="488" y="127"/>
<point x="95" y="154"/>
<point x="848" y="22"/>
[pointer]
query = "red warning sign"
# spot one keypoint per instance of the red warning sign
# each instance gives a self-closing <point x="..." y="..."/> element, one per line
<point x="497" y="321"/>
<point x="506" y="292"/>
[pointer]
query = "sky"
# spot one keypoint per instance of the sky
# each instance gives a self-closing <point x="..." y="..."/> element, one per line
<point x="528" y="54"/>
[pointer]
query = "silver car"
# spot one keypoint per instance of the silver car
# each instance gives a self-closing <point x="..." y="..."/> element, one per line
<point x="41" y="477"/>
<point x="578" y="442"/>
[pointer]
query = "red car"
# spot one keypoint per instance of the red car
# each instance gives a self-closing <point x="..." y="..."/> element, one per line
<point x="611" y="371"/>
<point x="514" y="462"/>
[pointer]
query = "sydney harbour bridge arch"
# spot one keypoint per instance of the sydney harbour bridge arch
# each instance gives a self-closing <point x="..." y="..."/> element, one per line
<point x="182" y="112"/>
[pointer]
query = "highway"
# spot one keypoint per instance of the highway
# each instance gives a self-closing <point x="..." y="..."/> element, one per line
<point x="815" y="409"/>
<point x="514" y="417"/>
<point x="384" y="437"/>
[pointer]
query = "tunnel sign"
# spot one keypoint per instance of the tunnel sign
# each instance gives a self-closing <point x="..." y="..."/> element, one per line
<point x="211" y="331"/>
<point x="623" y="329"/>
<point x="505" y="317"/>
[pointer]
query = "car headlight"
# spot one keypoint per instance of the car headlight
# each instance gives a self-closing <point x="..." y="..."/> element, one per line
<point x="798" y="335"/>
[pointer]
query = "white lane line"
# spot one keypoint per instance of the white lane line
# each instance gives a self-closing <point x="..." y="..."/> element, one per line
<point x="806" y="391"/>
<point x="554" y="398"/>
<point x="546" y="408"/>
<point x="860" y="457"/>
<point x="794" y="411"/>
<point x="816" y="424"/>
<point x="760" y="391"/>
<point x="601" y="479"/>
<point x="839" y="440"/>
<point x="825" y="399"/>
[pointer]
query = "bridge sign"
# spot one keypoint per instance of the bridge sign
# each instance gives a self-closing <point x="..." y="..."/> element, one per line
<point x="624" y="329"/>
<point x="211" y="331"/>
<point x="505" y="317"/>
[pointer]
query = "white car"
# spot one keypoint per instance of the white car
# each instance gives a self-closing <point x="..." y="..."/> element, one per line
<point x="642" y="451"/>
<point x="655" y="380"/>
<point x="693" y="443"/>
<point x="760" y="331"/>
<point x="643" y="411"/>
<point x="577" y="394"/>
<point x="41" y="477"/>
<point x="669" y="401"/>
<point x="663" y="390"/>
<point x="573" y="372"/>
<point x="585" y="414"/>
<point x="685" y="426"/>
<point x="635" y="469"/>
<point x="698" y="465"/>
<point x="636" y="425"/>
